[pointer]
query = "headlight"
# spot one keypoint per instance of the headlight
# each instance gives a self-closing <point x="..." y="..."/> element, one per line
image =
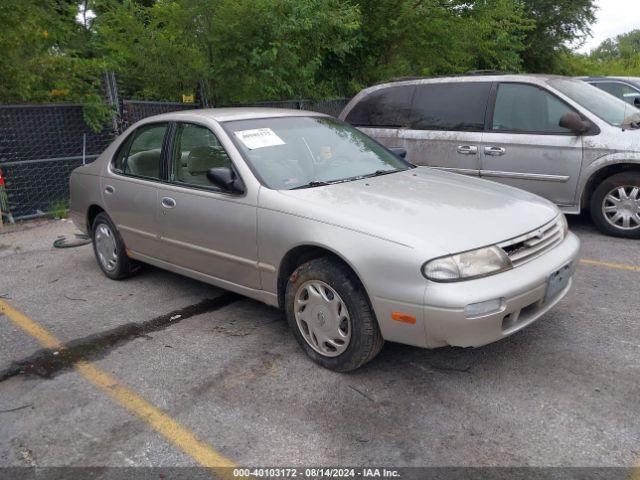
<point x="467" y="265"/>
<point x="564" y="225"/>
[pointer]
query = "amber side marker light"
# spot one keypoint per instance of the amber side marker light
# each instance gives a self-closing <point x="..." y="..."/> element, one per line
<point x="403" y="317"/>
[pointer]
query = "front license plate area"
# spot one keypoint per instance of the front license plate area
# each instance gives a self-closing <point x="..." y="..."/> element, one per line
<point x="557" y="282"/>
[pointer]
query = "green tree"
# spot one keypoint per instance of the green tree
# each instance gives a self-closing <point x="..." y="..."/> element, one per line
<point x="43" y="57"/>
<point x="431" y="37"/>
<point x="558" y="23"/>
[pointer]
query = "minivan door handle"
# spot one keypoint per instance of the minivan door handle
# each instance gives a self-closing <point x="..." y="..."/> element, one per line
<point x="467" y="149"/>
<point x="494" y="151"/>
<point x="109" y="189"/>
<point x="168" y="202"/>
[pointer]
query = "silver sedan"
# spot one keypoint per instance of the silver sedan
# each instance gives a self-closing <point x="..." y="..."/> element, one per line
<point x="300" y="211"/>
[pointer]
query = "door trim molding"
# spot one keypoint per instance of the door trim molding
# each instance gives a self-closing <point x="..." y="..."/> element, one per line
<point x="264" y="296"/>
<point x="464" y="171"/>
<point x="525" y="176"/>
<point x="215" y="253"/>
<point x="142" y="233"/>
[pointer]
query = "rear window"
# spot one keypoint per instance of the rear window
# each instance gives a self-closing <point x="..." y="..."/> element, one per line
<point x="451" y="106"/>
<point x="387" y="107"/>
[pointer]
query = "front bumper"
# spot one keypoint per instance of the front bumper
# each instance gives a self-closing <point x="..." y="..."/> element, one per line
<point x="523" y="292"/>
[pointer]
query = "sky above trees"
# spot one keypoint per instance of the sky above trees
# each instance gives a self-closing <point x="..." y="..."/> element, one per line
<point x="613" y="18"/>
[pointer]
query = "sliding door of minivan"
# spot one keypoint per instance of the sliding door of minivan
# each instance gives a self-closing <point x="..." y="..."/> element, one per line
<point x="525" y="147"/>
<point x="447" y="123"/>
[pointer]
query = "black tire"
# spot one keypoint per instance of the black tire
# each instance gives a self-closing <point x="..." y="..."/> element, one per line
<point x="624" y="179"/>
<point x="366" y="340"/>
<point x="124" y="267"/>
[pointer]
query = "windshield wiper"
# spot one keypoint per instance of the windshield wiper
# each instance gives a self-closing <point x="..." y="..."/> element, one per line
<point x="316" y="183"/>
<point x="377" y="173"/>
<point x="312" y="184"/>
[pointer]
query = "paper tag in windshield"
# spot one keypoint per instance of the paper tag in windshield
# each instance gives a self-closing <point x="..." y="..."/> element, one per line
<point x="259" y="138"/>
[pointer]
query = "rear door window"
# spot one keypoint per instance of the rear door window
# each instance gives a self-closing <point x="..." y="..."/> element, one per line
<point x="523" y="108"/>
<point x="141" y="154"/>
<point x="452" y="106"/>
<point x="386" y="107"/>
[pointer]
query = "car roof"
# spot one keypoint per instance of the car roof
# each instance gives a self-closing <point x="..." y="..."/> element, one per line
<point x="623" y="79"/>
<point x="478" y="77"/>
<point x="229" y="114"/>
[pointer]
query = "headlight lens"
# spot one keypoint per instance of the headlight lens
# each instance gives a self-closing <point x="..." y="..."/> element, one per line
<point x="467" y="265"/>
<point x="564" y="225"/>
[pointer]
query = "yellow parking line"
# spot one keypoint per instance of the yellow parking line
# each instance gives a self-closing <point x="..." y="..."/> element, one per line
<point x="619" y="266"/>
<point x="169" y="428"/>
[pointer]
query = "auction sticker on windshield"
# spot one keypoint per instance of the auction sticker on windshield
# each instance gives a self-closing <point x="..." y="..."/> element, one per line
<point x="259" y="138"/>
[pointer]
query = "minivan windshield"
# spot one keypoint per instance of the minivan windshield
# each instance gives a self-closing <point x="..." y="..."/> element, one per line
<point x="609" y="108"/>
<point x="303" y="152"/>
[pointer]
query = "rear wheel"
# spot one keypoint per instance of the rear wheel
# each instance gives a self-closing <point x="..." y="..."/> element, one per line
<point x="615" y="205"/>
<point x="110" y="250"/>
<point x="329" y="313"/>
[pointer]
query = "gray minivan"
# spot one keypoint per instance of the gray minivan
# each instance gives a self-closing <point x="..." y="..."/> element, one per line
<point x="558" y="137"/>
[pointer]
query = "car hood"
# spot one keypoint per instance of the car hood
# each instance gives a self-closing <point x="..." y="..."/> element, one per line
<point x="424" y="207"/>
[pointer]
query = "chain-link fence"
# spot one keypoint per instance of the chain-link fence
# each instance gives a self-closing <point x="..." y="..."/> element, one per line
<point x="40" y="145"/>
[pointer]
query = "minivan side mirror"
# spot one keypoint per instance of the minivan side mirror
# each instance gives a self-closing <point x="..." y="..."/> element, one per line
<point x="225" y="178"/>
<point x="636" y="102"/>
<point x="399" y="151"/>
<point x="572" y="121"/>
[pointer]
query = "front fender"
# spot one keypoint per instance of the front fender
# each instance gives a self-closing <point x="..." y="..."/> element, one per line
<point x="590" y="171"/>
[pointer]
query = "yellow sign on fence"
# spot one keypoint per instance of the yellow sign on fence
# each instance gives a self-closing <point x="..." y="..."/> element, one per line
<point x="188" y="98"/>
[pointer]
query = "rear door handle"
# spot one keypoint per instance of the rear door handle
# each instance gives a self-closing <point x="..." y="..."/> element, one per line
<point x="467" y="149"/>
<point x="494" y="151"/>
<point x="109" y="189"/>
<point x="168" y="202"/>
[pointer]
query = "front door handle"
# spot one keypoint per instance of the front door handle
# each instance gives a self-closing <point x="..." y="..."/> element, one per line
<point x="467" y="149"/>
<point x="494" y="151"/>
<point x="109" y="189"/>
<point x="168" y="202"/>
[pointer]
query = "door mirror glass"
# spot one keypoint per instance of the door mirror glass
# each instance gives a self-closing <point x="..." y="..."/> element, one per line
<point x="399" y="151"/>
<point x="226" y="179"/>
<point x="573" y="122"/>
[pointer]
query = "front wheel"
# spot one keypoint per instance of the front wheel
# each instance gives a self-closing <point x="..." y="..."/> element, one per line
<point x="330" y="315"/>
<point x="615" y="205"/>
<point x="109" y="249"/>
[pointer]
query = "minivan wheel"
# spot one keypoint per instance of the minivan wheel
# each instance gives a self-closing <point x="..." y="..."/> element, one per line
<point x="109" y="249"/>
<point x="615" y="205"/>
<point x="330" y="315"/>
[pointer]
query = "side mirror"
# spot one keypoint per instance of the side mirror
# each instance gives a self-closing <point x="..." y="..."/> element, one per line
<point x="572" y="121"/>
<point x="225" y="178"/>
<point x="399" y="151"/>
<point x="636" y="102"/>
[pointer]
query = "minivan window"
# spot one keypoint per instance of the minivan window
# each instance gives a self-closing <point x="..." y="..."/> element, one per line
<point x="527" y="109"/>
<point x="196" y="150"/>
<point x="451" y="106"/>
<point x="601" y="104"/>
<point x="386" y="107"/>
<point x="141" y="154"/>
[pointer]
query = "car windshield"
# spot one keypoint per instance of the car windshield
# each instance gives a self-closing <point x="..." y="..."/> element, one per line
<point x="609" y="108"/>
<point x="299" y="152"/>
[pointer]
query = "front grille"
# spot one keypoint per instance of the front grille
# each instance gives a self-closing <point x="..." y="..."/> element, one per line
<point x="533" y="244"/>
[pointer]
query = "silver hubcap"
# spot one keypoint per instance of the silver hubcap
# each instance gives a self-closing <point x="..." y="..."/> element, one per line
<point x="106" y="247"/>
<point x="621" y="207"/>
<point x="322" y="318"/>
